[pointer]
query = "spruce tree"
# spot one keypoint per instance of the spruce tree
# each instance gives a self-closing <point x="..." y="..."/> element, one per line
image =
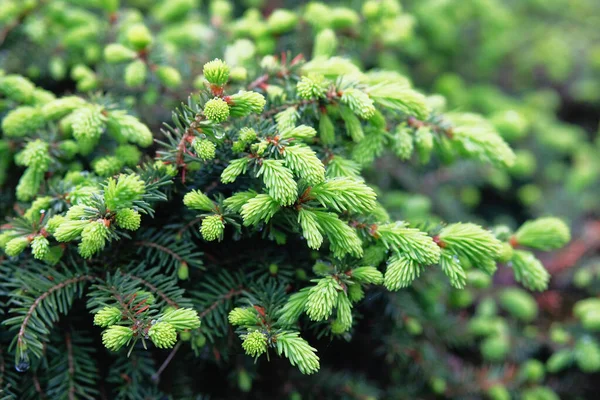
<point x="205" y="197"/>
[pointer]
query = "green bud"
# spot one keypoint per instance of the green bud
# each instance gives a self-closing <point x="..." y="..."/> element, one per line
<point x="524" y="165"/>
<point x="128" y="128"/>
<point x="58" y="69"/>
<point x="29" y="184"/>
<point x="519" y="303"/>
<point x="139" y="36"/>
<point x="273" y="269"/>
<point x="16" y="246"/>
<point x="54" y="222"/>
<point x="403" y="143"/>
<point x="583" y="278"/>
<point x="510" y="124"/>
<point x="338" y="327"/>
<point x="68" y="148"/>
<point x="483" y="325"/>
<point x="116" y="336"/>
<point x="39" y="247"/>
<point x="216" y="72"/>
<point x="325" y="44"/>
<point x="88" y="124"/>
<point x="41" y="97"/>
<point x="487" y="307"/>
<point x="17" y="88"/>
<point x="244" y="103"/>
<point x="413" y="326"/>
<point x="6" y="237"/>
<point x="168" y="76"/>
<point x="93" y="238"/>
<point x="145" y="297"/>
<point x="438" y="385"/>
<point x="239" y="74"/>
<point x="107" y="316"/>
<point x="182" y="318"/>
<point x="355" y="293"/>
<point x="591" y="320"/>
<point x="196" y="200"/>
<point x="255" y="343"/>
<point x="241" y="316"/>
<point x="135" y="74"/>
<point x="35" y="155"/>
<point x="216" y="110"/>
<point x="495" y="348"/>
<point x="281" y="21"/>
<point x="200" y="340"/>
<point x="559" y="335"/>
<point x="128" y="155"/>
<point x="301" y="274"/>
<point x="506" y="253"/>
<point x="587" y="355"/>
<point x="312" y="87"/>
<point x="498" y="392"/>
<point x="359" y="102"/>
<point x="121" y="193"/>
<point x="212" y="228"/>
<point x="163" y="335"/>
<point x="247" y="135"/>
<point x="70" y="230"/>
<point x="110" y="6"/>
<point x="371" y="9"/>
<point x="107" y="166"/>
<point x="270" y="64"/>
<point x="544" y="234"/>
<point x="533" y="371"/>
<point x="342" y="18"/>
<point x="22" y="121"/>
<point x="167" y="169"/>
<point x="173" y="10"/>
<point x="38" y="208"/>
<point x="117" y="53"/>
<point x="183" y="271"/>
<point x="367" y="275"/>
<point x="460" y="298"/>
<point x="244" y="381"/>
<point x="539" y="392"/>
<point x="204" y="148"/>
<point x="478" y="279"/>
<point x="317" y="14"/>
<point x="185" y="336"/>
<point x="584" y="306"/>
<point x="559" y="361"/>
<point x="275" y="92"/>
<point x="128" y="218"/>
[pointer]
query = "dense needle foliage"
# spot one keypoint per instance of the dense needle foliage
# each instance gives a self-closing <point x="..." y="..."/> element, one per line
<point x="329" y="201"/>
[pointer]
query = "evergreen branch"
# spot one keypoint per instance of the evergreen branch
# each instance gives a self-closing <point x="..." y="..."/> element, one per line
<point x="23" y="335"/>
<point x="155" y="289"/>
<point x="224" y="297"/>
<point x="161" y="248"/>
<point x="72" y="371"/>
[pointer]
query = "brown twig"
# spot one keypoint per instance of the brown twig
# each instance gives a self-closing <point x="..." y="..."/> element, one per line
<point x="165" y="363"/>
<point x="71" y="365"/>
<point x="226" y="296"/>
<point x="161" y="248"/>
<point x="153" y="288"/>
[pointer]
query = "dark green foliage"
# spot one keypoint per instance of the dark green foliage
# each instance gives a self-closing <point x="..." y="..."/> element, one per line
<point x="194" y="208"/>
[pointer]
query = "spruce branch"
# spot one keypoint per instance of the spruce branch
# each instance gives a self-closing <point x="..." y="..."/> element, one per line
<point x="54" y="297"/>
